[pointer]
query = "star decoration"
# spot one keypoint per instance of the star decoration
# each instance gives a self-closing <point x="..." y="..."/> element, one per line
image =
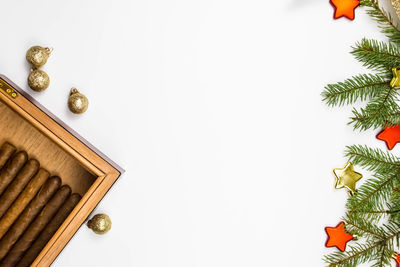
<point x="346" y="177"/>
<point x="344" y="8"/>
<point x="337" y="237"/>
<point x="395" y="82"/>
<point x="391" y="135"/>
<point x="396" y="257"/>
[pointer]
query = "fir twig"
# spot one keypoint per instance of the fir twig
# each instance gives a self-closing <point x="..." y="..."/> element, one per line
<point x="359" y="87"/>
<point x="363" y="227"/>
<point x="359" y="253"/>
<point x="377" y="55"/>
<point x="379" y="195"/>
<point x="372" y="159"/>
<point x="378" y="239"/>
<point x="377" y="112"/>
<point x="384" y="20"/>
<point x="373" y="194"/>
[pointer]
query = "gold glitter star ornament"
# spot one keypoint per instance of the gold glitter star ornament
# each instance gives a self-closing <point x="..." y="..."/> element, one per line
<point x="346" y="177"/>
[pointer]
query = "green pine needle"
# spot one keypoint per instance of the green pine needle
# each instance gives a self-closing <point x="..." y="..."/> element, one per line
<point x="384" y="20"/>
<point x="361" y="87"/>
<point x="376" y="55"/>
<point x="378" y="246"/>
<point x="373" y="194"/>
<point x="355" y="254"/>
<point x="372" y="159"/>
<point x="378" y="112"/>
<point x="373" y="212"/>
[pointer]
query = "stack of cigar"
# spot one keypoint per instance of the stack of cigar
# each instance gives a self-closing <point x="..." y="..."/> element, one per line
<point x="33" y="205"/>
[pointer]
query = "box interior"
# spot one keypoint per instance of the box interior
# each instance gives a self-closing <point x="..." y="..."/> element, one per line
<point x="19" y="132"/>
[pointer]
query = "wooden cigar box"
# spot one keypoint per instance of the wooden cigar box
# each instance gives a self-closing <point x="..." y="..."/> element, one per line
<point x="61" y="151"/>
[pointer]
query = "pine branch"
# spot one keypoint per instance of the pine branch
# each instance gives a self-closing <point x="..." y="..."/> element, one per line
<point x="378" y="248"/>
<point x="384" y="20"/>
<point x="357" y="254"/>
<point x="383" y="257"/>
<point x="376" y="55"/>
<point x="359" y="87"/>
<point x="377" y="112"/>
<point x="373" y="194"/>
<point x="394" y="207"/>
<point x="372" y="159"/>
<point x="377" y="215"/>
<point x="379" y="195"/>
<point x="366" y="203"/>
<point x="360" y="227"/>
<point x="358" y="120"/>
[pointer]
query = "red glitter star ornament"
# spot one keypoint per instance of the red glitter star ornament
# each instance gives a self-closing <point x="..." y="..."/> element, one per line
<point x="391" y="135"/>
<point x="396" y="257"/>
<point x="344" y="8"/>
<point x="337" y="237"/>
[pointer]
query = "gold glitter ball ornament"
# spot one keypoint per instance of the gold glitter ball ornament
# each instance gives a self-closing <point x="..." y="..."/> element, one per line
<point x="77" y="102"/>
<point x="38" y="80"/>
<point x="100" y="224"/>
<point x="346" y="177"/>
<point x="37" y="56"/>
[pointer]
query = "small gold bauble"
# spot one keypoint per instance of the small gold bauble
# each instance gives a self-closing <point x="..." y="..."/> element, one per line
<point x="37" y="56"/>
<point x="100" y="224"/>
<point x="77" y="102"/>
<point x="38" y="80"/>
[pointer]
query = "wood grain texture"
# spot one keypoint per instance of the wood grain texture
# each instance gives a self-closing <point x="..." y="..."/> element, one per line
<point x="17" y="131"/>
<point x="42" y="135"/>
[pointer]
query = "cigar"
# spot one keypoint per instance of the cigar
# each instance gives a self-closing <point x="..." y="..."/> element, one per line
<point x="22" y="201"/>
<point x="6" y="151"/>
<point x="16" y="187"/>
<point x="29" y="214"/>
<point x="11" y="169"/>
<point x="48" y="232"/>
<point x="26" y="240"/>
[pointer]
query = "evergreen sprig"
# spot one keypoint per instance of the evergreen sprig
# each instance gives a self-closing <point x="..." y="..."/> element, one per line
<point x="385" y="21"/>
<point x="378" y="112"/>
<point x="394" y="206"/>
<point x="378" y="245"/>
<point x="372" y="159"/>
<point x="377" y="198"/>
<point x="381" y="108"/>
<point x="373" y="212"/>
<point x="372" y="195"/>
<point x="360" y="87"/>
<point x="377" y="55"/>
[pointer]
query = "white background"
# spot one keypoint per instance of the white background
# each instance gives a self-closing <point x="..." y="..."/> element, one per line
<point x="213" y="108"/>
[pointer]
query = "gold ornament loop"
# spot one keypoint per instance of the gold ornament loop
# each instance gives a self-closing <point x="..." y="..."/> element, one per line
<point x="395" y="82"/>
<point x="37" y="56"/>
<point x="49" y="50"/>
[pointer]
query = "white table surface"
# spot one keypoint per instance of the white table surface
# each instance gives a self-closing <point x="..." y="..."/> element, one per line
<point x="213" y="108"/>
